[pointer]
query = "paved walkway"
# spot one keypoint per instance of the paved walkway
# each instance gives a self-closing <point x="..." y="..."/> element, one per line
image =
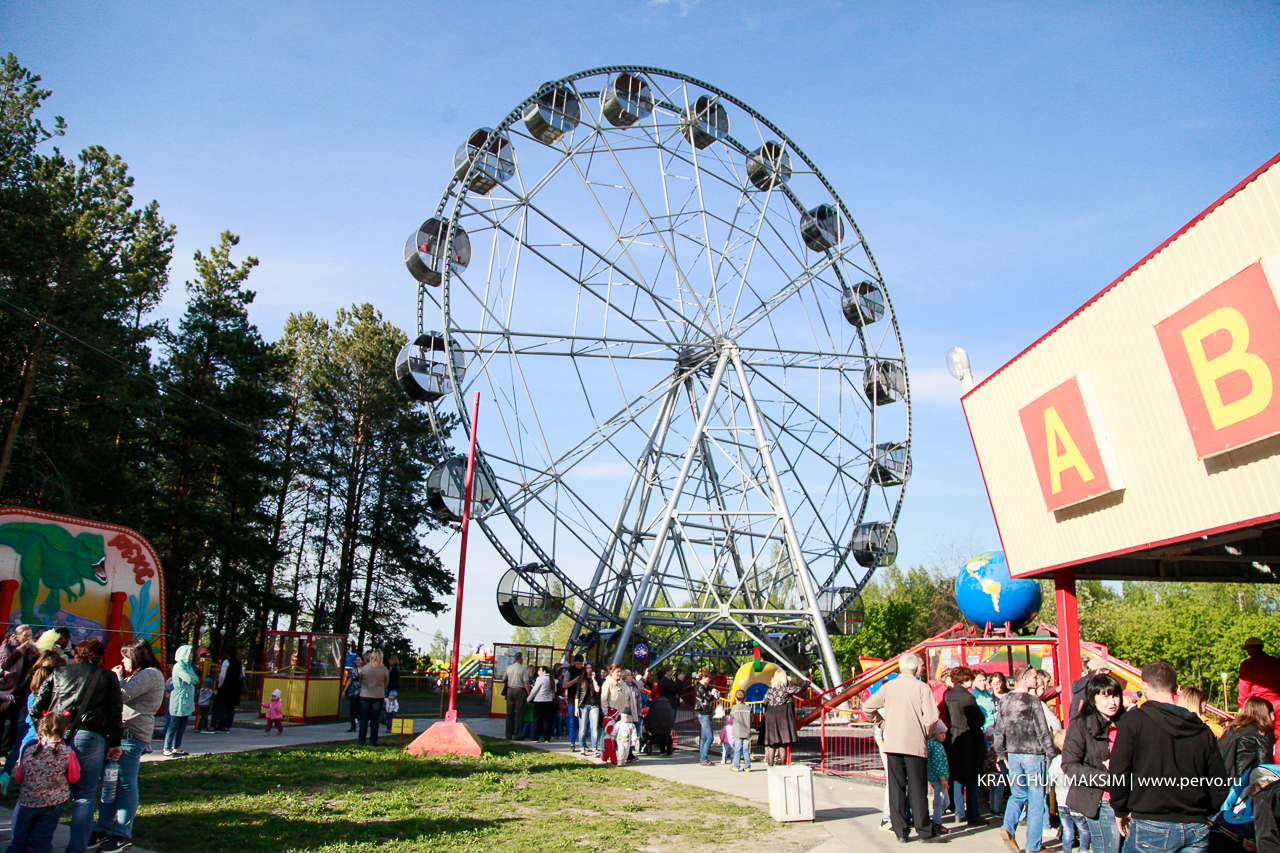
<point x="848" y="811"/>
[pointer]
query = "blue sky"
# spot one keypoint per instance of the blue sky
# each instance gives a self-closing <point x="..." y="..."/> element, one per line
<point x="1004" y="160"/>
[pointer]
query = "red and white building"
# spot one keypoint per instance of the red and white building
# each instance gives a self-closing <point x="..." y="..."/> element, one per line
<point x="1140" y="437"/>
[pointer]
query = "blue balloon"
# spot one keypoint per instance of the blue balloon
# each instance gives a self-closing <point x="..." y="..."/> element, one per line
<point x="986" y="593"/>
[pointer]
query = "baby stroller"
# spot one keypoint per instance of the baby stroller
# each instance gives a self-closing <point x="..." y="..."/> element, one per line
<point x="1238" y="821"/>
<point x="657" y="727"/>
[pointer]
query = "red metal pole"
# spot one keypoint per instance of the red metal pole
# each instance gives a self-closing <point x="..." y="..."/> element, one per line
<point x="1064" y="591"/>
<point x="452" y="715"/>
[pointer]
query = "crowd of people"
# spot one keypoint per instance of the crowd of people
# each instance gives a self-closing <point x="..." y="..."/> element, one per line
<point x="615" y="715"/>
<point x="1138" y="769"/>
<point x="72" y="726"/>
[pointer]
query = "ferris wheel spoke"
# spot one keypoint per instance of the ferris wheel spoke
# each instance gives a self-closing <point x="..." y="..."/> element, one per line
<point x="682" y="276"/>
<point x="657" y="235"/>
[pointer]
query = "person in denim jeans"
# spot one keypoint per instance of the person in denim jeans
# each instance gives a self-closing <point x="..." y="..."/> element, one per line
<point x="569" y="687"/>
<point x="142" y="691"/>
<point x="586" y="705"/>
<point x="1167" y="776"/>
<point x="704" y="705"/>
<point x="1023" y="742"/>
<point x="94" y="694"/>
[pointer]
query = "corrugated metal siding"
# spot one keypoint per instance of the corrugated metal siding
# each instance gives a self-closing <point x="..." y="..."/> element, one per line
<point x="1169" y="492"/>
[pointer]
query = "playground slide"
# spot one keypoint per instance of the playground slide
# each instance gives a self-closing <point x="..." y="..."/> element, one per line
<point x="853" y="688"/>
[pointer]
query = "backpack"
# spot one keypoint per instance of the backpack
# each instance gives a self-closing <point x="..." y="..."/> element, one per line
<point x="1236" y="814"/>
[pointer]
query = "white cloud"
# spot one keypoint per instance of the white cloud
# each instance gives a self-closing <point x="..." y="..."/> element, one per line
<point x="683" y="4"/>
<point x="936" y="385"/>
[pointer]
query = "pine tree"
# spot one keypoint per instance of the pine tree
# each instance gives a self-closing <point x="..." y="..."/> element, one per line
<point x="211" y="524"/>
<point x="80" y="269"/>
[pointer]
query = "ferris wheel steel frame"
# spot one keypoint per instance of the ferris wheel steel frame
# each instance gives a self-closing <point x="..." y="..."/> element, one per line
<point x="637" y="561"/>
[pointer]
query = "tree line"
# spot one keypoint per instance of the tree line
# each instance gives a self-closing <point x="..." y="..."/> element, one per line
<point x="281" y="483"/>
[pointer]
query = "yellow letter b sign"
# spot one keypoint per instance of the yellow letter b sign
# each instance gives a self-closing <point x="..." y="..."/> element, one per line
<point x="1223" y="352"/>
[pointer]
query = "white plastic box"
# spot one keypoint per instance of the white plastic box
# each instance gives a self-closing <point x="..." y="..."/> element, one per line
<point x="791" y="792"/>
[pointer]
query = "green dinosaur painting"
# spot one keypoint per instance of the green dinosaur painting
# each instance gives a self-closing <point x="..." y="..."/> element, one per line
<point x="51" y="556"/>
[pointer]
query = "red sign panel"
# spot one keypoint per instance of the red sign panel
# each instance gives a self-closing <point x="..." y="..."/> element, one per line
<point x="1065" y="447"/>
<point x="1223" y="351"/>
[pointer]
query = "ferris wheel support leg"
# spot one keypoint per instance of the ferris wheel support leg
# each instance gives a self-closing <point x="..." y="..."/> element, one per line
<point x="831" y="669"/>
<point x="668" y="513"/>
<point x="660" y="425"/>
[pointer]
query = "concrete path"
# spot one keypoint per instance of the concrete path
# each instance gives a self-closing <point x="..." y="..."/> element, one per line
<point x="849" y="811"/>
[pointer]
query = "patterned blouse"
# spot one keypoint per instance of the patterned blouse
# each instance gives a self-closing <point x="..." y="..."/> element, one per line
<point x="45" y="775"/>
<point x="780" y="695"/>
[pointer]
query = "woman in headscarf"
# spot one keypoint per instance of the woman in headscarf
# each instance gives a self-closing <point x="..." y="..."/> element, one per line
<point x="182" y="701"/>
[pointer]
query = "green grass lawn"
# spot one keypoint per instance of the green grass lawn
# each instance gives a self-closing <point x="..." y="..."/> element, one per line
<point x="339" y="797"/>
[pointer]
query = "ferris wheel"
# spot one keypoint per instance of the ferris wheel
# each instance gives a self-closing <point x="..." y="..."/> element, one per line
<point x="701" y="426"/>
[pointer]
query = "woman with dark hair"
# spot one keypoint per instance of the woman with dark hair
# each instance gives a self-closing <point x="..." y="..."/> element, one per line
<point x="351" y="678"/>
<point x="91" y="695"/>
<point x="142" y="692"/>
<point x="966" y="743"/>
<point x="543" y="699"/>
<point x="586" y="704"/>
<point x="229" y="690"/>
<point x="1086" y="754"/>
<point x="1247" y="740"/>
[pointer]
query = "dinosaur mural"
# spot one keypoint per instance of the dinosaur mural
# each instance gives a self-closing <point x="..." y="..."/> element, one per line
<point x="96" y="580"/>
<point x="52" y="557"/>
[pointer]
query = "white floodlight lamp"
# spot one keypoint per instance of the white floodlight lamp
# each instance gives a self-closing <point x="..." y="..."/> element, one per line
<point x="958" y="366"/>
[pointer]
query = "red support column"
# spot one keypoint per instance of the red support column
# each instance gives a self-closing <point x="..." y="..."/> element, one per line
<point x="7" y="590"/>
<point x="1064" y="592"/>
<point x="114" y="620"/>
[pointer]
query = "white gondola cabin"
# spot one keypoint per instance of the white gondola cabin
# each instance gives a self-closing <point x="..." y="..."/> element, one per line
<point x="552" y="115"/>
<point x="821" y="228"/>
<point x="524" y="605"/>
<point x="891" y="464"/>
<point x="704" y="121"/>
<point x="446" y="490"/>
<point x="424" y="251"/>
<point x="875" y="544"/>
<point x="422" y="371"/>
<point x="625" y="100"/>
<point x="863" y="303"/>
<point x="843" y="610"/>
<point x="493" y="156"/>
<point x="884" y="382"/>
<point x="768" y="166"/>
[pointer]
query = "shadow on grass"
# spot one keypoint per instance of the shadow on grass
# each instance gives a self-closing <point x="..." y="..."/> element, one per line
<point x="237" y="829"/>
<point x="339" y="766"/>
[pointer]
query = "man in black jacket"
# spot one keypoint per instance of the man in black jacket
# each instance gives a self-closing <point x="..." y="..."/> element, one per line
<point x="1167" y="777"/>
<point x="90" y="694"/>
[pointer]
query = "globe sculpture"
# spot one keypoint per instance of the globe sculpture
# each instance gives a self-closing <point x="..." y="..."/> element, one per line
<point x="987" y="594"/>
